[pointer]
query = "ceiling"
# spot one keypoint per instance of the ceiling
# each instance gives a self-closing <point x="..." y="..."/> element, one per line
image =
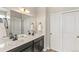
<point x="60" y="9"/>
<point x="17" y="9"/>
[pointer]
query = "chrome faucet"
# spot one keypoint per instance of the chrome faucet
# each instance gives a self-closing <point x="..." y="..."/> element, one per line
<point x="13" y="37"/>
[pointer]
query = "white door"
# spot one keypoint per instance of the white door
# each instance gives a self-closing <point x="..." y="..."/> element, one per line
<point x="76" y="31"/>
<point x="56" y="32"/>
<point x="68" y="36"/>
<point x="65" y="31"/>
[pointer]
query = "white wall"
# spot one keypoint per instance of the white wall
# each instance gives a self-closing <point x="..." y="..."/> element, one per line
<point x="41" y="17"/>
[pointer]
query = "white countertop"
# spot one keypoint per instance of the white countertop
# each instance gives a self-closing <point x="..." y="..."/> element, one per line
<point x="7" y="44"/>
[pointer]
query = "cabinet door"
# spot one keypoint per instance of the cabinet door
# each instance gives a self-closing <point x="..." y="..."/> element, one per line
<point x="28" y="49"/>
<point x="56" y="32"/>
<point x="68" y="36"/>
<point x="36" y="46"/>
<point x="39" y="44"/>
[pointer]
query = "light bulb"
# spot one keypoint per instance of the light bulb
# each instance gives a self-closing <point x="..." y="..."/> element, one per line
<point x="23" y="10"/>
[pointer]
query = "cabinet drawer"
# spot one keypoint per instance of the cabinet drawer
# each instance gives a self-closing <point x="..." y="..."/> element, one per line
<point x="22" y="47"/>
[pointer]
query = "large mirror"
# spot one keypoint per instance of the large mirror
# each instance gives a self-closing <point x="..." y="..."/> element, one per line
<point x="19" y="23"/>
<point x="15" y="22"/>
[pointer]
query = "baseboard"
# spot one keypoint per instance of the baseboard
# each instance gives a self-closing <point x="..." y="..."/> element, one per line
<point x="51" y="50"/>
<point x="44" y="50"/>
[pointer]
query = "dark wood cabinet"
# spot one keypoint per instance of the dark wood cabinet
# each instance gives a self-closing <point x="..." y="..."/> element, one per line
<point x="36" y="45"/>
<point x="39" y="44"/>
<point x="28" y="47"/>
<point x="23" y="47"/>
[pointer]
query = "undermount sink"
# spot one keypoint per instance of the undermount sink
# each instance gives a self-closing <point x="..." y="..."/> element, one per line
<point x="2" y="45"/>
<point x="22" y="35"/>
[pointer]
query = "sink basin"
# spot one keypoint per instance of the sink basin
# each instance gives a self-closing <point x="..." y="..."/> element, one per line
<point x="2" y="45"/>
<point x="22" y="35"/>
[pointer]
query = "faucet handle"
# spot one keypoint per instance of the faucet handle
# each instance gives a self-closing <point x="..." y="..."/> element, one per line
<point x="15" y="37"/>
<point x="11" y="35"/>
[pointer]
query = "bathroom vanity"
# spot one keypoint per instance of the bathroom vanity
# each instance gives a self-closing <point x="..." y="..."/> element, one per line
<point x="17" y="24"/>
<point x="35" y="45"/>
<point x="26" y="44"/>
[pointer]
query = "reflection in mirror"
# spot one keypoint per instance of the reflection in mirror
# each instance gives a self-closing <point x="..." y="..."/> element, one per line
<point x="1" y="20"/>
<point x="27" y="23"/>
<point x="15" y="22"/>
<point x="4" y="19"/>
<point x="19" y="23"/>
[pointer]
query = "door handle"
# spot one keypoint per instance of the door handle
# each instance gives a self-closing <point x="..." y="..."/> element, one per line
<point x="50" y="33"/>
<point x="77" y="36"/>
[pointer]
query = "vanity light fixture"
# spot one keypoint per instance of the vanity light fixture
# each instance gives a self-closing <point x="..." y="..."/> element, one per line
<point x="24" y="11"/>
